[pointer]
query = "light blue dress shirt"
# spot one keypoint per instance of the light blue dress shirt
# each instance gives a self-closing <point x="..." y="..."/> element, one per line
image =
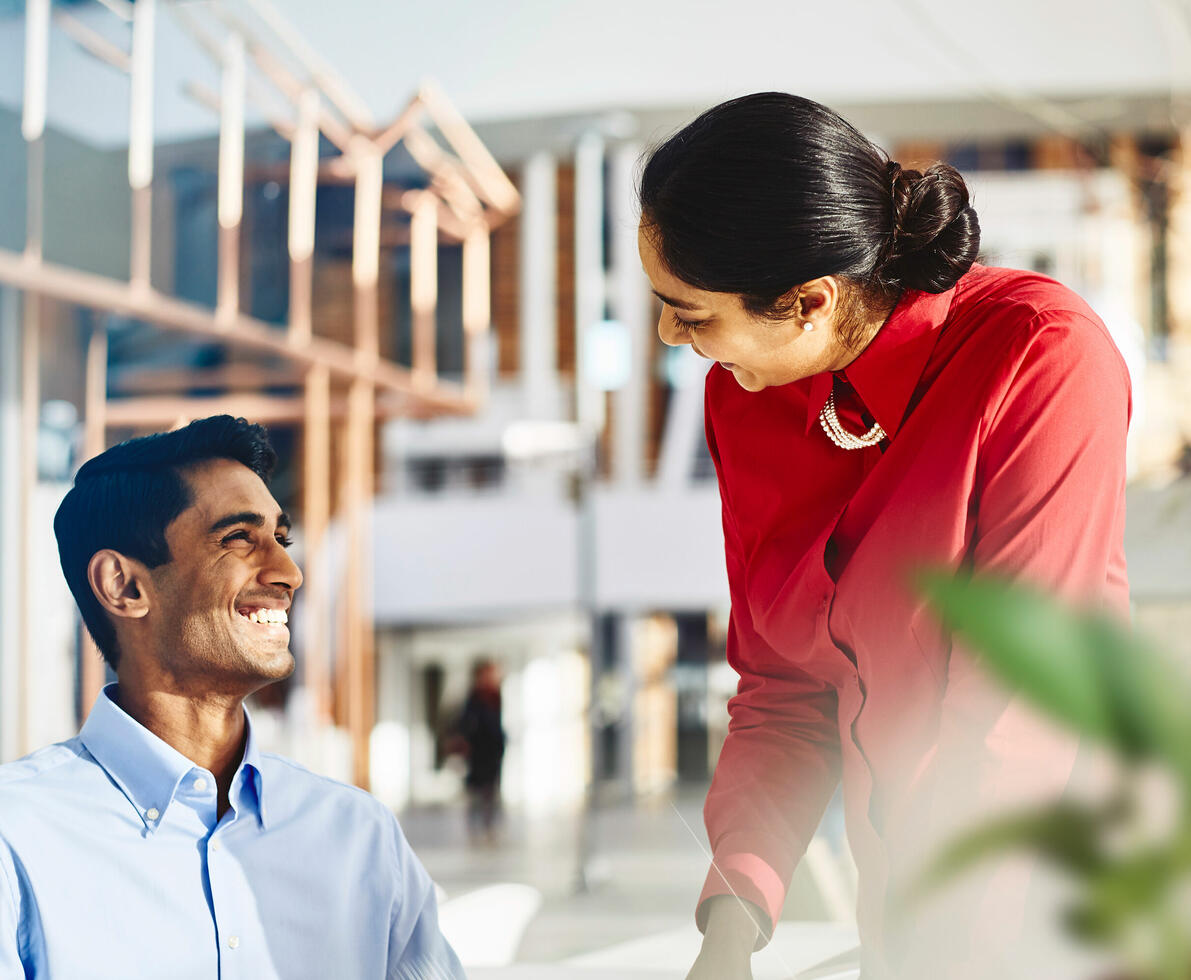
<point x="113" y="864"/>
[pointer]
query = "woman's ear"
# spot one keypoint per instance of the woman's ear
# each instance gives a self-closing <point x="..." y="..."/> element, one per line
<point x="118" y="583"/>
<point x="819" y="299"/>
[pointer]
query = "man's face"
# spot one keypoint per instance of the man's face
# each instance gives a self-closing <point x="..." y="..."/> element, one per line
<point x="228" y="567"/>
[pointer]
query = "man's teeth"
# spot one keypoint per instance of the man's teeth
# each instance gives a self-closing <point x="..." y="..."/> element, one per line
<point x="268" y="616"/>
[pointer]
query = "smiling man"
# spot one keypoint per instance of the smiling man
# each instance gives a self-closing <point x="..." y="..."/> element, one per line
<point x="161" y="841"/>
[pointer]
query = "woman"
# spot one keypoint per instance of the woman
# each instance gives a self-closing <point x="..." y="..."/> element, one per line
<point x="879" y="401"/>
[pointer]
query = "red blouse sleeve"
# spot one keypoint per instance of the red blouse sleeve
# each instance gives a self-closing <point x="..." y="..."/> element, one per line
<point x="1051" y="480"/>
<point x="779" y="764"/>
<point x="1049" y="502"/>
<point x="1049" y="496"/>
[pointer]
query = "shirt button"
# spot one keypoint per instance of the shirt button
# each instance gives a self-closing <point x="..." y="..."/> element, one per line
<point x="200" y="784"/>
<point x="233" y="941"/>
<point x="152" y="813"/>
<point x="215" y="845"/>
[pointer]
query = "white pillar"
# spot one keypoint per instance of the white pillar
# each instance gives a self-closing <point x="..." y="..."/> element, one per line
<point x="538" y="286"/>
<point x="10" y="489"/>
<point x="589" y="269"/>
<point x="684" y="420"/>
<point x="629" y="302"/>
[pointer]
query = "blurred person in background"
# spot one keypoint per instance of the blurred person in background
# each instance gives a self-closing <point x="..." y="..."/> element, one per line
<point x="161" y="839"/>
<point x="879" y="401"/>
<point x="480" y="738"/>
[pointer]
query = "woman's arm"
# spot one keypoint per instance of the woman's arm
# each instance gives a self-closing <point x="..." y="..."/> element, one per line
<point x="779" y="764"/>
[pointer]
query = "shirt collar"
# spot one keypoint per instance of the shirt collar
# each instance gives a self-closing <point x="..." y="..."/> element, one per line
<point x="148" y="770"/>
<point x="888" y="369"/>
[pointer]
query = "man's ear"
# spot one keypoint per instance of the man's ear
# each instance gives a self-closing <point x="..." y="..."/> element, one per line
<point x="118" y="583"/>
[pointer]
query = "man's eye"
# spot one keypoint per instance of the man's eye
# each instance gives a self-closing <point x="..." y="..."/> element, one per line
<point x="236" y="536"/>
<point x="284" y="540"/>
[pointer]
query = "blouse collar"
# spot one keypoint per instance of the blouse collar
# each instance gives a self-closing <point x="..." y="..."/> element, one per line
<point x="889" y="368"/>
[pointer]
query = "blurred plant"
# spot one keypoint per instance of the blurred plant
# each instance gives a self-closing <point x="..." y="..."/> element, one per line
<point x="1093" y="674"/>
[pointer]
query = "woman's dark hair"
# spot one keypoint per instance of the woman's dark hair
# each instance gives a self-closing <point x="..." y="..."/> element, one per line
<point x="766" y="192"/>
<point x="125" y="498"/>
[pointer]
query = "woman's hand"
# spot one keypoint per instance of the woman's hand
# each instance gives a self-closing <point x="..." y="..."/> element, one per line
<point x="728" y="942"/>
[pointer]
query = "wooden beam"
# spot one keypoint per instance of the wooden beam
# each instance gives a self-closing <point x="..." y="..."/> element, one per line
<point x="146" y="411"/>
<point x="494" y="184"/>
<point x="353" y="108"/>
<point x="91" y="41"/>
<point x="99" y="292"/>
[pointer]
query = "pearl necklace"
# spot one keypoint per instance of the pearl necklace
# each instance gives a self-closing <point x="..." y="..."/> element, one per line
<point x="841" y="436"/>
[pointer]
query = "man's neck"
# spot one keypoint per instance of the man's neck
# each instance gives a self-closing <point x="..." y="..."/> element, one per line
<point x="208" y="729"/>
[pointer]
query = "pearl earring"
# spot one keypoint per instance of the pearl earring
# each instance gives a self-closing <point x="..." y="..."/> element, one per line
<point x="808" y="325"/>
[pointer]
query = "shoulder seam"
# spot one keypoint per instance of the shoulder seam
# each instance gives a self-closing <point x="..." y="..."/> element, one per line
<point x="297" y="766"/>
<point x="7" y="779"/>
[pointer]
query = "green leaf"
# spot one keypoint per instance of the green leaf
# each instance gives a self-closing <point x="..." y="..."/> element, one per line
<point x="1086" y="669"/>
<point x="1031" y="643"/>
<point x="1066" y="834"/>
<point x="1149" y="696"/>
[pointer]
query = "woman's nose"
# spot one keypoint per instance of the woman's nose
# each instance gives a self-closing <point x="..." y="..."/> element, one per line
<point x="670" y="335"/>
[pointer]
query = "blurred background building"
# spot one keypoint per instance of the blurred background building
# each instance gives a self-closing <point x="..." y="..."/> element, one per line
<point x="264" y="208"/>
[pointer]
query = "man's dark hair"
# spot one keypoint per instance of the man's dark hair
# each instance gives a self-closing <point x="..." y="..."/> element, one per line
<point x="125" y="498"/>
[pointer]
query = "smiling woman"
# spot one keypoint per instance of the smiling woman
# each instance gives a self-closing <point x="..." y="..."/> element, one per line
<point x="880" y="401"/>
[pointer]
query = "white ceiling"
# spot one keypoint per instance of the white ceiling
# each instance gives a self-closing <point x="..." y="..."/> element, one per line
<point x="499" y="59"/>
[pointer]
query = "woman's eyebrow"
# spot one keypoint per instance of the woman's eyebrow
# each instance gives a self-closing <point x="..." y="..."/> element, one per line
<point x="676" y="303"/>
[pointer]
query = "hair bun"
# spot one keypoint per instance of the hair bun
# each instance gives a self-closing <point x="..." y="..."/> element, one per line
<point x="935" y="236"/>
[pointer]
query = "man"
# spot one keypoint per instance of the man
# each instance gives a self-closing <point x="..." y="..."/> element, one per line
<point x="161" y="841"/>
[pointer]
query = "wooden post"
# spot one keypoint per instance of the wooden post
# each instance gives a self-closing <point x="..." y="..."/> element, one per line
<point x="361" y="417"/>
<point x="140" y="142"/>
<point x="423" y="288"/>
<point x="94" y="442"/>
<point x="477" y="311"/>
<point x="231" y="180"/>
<point x="30" y="419"/>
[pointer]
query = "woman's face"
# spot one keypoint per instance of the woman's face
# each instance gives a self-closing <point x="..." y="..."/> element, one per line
<point x="759" y="353"/>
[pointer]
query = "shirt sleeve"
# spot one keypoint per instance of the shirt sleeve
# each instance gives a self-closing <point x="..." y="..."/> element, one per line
<point x="1049" y="495"/>
<point x="417" y="948"/>
<point x="779" y="764"/>
<point x="11" y="962"/>
<point x="1049" y="502"/>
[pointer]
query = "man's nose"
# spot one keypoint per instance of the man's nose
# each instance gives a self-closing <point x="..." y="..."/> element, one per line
<point x="282" y="570"/>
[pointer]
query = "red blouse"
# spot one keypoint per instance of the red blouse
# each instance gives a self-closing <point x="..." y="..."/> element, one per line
<point x="1006" y="406"/>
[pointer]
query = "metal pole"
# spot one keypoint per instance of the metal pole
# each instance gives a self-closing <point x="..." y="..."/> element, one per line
<point x="589" y="414"/>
